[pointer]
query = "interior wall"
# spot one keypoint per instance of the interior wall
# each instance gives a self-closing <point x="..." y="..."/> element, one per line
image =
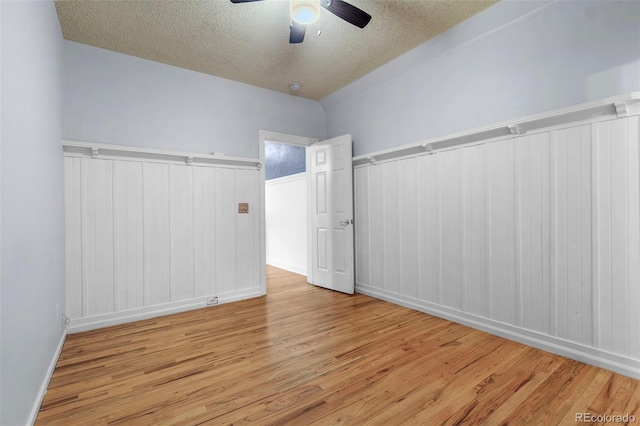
<point x="120" y="99"/>
<point x="286" y="222"/>
<point x="534" y="237"/>
<point x="32" y="224"/>
<point x="146" y="238"/>
<point x="514" y="59"/>
<point x="281" y="159"/>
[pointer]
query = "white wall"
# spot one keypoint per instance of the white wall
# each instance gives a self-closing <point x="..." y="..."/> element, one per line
<point x="286" y="222"/>
<point x="146" y="238"/>
<point x="536" y="238"/>
<point x="119" y="99"/>
<point x="32" y="226"/>
<point x="514" y="59"/>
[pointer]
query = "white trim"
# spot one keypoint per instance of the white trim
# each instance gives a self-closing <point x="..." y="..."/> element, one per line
<point x="115" y="318"/>
<point x="266" y="135"/>
<point x="586" y="354"/>
<point x="310" y="191"/>
<point x="288" y="178"/>
<point x="289" y="267"/>
<point x="120" y="152"/>
<point x="604" y="109"/>
<point x="46" y="379"/>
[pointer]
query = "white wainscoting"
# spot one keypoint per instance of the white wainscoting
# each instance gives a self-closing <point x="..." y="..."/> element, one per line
<point x="286" y="222"/>
<point x="147" y="237"/>
<point x="534" y="237"/>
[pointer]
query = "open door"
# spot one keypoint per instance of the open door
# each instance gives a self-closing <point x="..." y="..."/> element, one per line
<point x="330" y="226"/>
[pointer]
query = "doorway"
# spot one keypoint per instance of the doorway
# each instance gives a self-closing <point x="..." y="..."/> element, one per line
<point x="286" y="206"/>
<point x="329" y="222"/>
<point x="286" y="221"/>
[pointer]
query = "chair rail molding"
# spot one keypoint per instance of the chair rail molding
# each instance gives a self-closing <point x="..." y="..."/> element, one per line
<point x="619" y="106"/>
<point x="109" y="151"/>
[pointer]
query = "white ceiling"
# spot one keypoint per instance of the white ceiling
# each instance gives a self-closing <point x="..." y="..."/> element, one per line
<point x="249" y="42"/>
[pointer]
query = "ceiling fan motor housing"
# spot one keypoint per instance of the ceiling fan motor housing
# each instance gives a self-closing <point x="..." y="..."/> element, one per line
<point x="305" y="11"/>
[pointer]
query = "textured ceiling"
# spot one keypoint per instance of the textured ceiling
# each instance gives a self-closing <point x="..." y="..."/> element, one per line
<point x="249" y="42"/>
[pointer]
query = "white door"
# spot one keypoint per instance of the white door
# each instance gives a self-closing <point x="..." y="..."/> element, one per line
<point x="331" y="214"/>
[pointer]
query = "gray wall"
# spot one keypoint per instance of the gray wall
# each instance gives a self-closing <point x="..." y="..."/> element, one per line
<point x="281" y="159"/>
<point x="511" y="60"/>
<point x="32" y="199"/>
<point x="120" y="99"/>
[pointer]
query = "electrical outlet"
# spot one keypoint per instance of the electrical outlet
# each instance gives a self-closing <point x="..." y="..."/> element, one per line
<point x="212" y="300"/>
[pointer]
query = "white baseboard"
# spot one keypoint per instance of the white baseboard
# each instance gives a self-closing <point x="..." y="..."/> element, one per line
<point x="114" y="318"/>
<point x="46" y="379"/>
<point x="296" y="269"/>
<point x="588" y="355"/>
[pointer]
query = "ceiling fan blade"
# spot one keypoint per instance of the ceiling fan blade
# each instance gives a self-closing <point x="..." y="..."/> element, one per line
<point x="296" y="34"/>
<point x="348" y="12"/>
<point x="243" y="1"/>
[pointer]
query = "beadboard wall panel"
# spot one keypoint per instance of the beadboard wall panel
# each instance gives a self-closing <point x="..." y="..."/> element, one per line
<point x="157" y="235"/>
<point x="616" y="228"/>
<point x="147" y="237"/>
<point x="361" y="216"/>
<point x="474" y="231"/>
<point x="410" y="240"/>
<point x="204" y="202"/>
<point x="378" y="231"/>
<point x="391" y="216"/>
<point x="535" y="234"/>
<point x="128" y="227"/>
<point x="73" y="236"/>
<point x="98" y="231"/>
<point x="430" y="287"/>
<point x="247" y="231"/>
<point x="501" y="169"/>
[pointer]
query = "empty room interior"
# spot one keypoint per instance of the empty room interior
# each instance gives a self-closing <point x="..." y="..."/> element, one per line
<point x="300" y="212"/>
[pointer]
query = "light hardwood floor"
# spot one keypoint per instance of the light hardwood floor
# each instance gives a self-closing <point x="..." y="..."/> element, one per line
<point x="304" y="355"/>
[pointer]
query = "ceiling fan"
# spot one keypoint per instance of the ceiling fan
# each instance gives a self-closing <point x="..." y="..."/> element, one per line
<point x="305" y="12"/>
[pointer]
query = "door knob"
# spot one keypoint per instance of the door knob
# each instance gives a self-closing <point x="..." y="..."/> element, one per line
<point x="345" y="223"/>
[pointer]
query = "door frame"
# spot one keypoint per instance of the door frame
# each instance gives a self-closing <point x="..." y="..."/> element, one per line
<point x="263" y="136"/>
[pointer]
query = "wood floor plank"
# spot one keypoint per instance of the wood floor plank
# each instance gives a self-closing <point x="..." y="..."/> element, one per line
<point x="304" y="355"/>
